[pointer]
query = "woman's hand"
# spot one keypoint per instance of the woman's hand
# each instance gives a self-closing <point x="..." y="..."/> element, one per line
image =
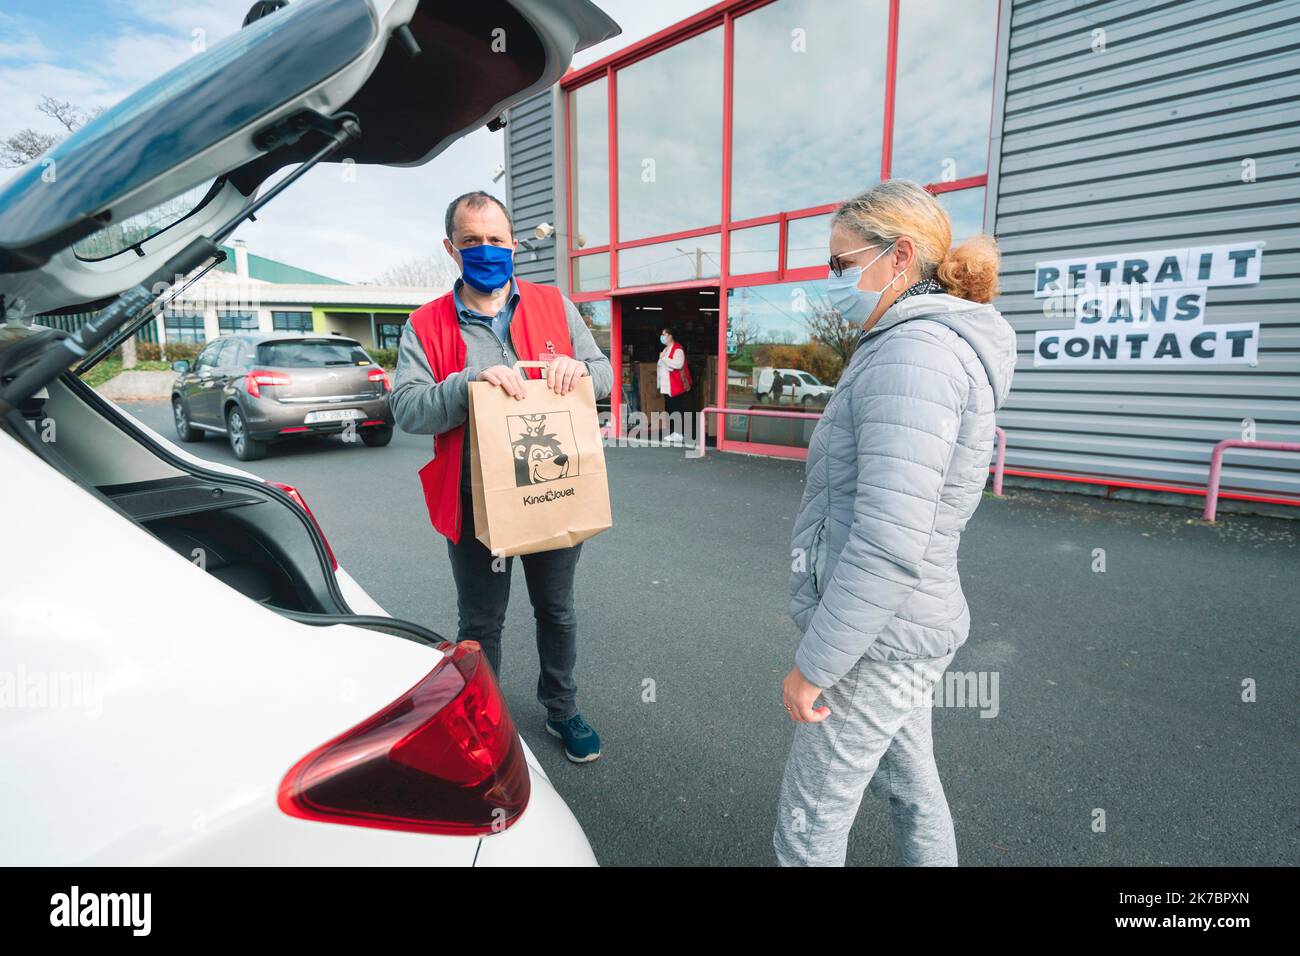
<point x="798" y="696"/>
<point x="563" y="372"/>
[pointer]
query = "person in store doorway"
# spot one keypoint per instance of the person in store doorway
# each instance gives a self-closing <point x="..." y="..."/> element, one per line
<point x="673" y="383"/>
<point x="896" y="465"/>
<point x="490" y="320"/>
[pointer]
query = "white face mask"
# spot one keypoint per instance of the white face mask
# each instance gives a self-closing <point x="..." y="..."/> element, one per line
<point x="853" y="303"/>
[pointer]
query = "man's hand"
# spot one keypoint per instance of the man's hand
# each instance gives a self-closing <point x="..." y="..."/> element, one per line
<point x="505" y="378"/>
<point x="563" y="372"/>
<point x="798" y="696"/>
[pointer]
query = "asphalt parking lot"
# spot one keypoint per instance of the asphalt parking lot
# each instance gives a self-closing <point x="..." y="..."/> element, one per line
<point x="1119" y="691"/>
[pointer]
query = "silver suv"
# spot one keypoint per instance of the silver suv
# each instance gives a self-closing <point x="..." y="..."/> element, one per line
<point x="258" y="388"/>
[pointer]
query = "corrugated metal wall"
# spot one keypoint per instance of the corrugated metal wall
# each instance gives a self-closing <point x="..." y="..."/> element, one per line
<point x="530" y="182"/>
<point x="1141" y="148"/>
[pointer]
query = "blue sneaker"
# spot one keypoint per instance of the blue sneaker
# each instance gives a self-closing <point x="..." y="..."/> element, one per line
<point x="581" y="742"/>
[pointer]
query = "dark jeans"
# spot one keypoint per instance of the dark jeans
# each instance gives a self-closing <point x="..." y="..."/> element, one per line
<point x="483" y="593"/>
<point x="676" y="408"/>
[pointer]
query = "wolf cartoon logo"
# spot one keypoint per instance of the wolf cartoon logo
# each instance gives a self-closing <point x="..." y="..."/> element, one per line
<point x="538" y="454"/>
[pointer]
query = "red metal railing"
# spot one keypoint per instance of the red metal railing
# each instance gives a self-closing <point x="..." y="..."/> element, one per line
<point x="1216" y="465"/>
<point x="697" y="450"/>
<point x="1000" y="457"/>
<point x="1000" y="462"/>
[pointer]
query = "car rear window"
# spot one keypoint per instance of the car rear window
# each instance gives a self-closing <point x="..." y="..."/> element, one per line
<point x="311" y="353"/>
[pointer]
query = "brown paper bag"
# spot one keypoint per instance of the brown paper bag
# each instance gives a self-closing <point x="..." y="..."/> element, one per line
<point x="537" y="467"/>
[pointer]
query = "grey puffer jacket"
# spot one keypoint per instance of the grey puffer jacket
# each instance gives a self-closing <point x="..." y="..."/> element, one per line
<point x="896" y="466"/>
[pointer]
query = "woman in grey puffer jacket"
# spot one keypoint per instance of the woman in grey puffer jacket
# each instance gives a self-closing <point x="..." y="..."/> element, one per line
<point x="896" y="466"/>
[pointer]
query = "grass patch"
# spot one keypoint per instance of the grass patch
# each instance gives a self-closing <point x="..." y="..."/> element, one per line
<point x="112" y="366"/>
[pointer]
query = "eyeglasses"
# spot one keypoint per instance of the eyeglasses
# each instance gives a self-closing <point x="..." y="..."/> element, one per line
<point x="837" y="263"/>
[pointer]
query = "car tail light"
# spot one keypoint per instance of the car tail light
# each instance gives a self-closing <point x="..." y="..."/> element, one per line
<point x="299" y="500"/>
<point x="256" y="378"/>
<point x="442" y="758"/>
<point x="379" y="375"/>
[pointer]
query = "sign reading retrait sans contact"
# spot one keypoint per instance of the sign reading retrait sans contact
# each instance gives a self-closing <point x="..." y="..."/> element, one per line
<point x="1147" y="308"/>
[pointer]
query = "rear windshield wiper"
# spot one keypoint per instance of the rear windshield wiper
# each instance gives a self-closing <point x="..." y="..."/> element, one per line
<point x="85" y="343"/>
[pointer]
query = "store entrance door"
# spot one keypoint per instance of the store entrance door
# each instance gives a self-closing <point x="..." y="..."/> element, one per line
<point x="692" y="316"/>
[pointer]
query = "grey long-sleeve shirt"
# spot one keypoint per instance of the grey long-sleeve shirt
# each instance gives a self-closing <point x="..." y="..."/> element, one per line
<point x="423" y="405"/>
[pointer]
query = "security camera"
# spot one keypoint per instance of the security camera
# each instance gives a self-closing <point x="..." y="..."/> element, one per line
<point x="543" y="230"/>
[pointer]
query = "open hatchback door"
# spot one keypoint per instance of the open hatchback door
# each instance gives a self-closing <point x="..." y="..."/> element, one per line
<point x="143" y="193"/>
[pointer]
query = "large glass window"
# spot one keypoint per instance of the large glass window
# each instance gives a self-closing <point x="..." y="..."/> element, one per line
<point x="591" y="273"/>
<point x="944" y="91"/>
<point x="670" y="140"/>
<point x="808" y="103"/>
<point x="966" y="210"/>
<point x="598" y="315"/>
<point x="291" y="321"/>
<point x="679" y="260"/>
<point x="236" y="321"/>
<point x="389" y="334"/>
<point x="589" y="152"/>
<point x="786" y="349"/>
<point x="183" y="327"/>
<point x="807" y="241"/>
<point x="755" y="249"/>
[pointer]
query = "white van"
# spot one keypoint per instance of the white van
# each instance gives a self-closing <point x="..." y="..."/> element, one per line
<point x="789" y="386"/>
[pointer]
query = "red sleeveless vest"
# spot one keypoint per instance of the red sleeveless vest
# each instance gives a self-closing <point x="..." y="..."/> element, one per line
<point x="539" y="326"/>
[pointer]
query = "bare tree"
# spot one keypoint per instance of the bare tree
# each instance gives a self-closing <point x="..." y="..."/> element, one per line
<point x="740" y="331"/>
<point x="67" y="115"/>
<point x="28" y="144"/>
<point x="425" y="272"/>
<point x="827" y="326"/>
<point x="23" y="147"/>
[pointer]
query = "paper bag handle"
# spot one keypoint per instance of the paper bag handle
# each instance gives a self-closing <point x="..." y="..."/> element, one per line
<point x="519" y="365"/>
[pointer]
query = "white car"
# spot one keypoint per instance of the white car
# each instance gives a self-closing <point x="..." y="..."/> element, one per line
<point x="790" y="385"/>
<point x="188" y="675"/>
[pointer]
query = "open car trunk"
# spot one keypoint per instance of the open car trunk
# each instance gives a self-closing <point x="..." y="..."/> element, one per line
<point x="248" y="534"/>
<point x="251" y="536"/>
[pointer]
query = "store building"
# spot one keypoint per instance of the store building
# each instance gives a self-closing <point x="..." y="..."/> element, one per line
<point x="689" y="180"/>
<point x="248" y="292"/>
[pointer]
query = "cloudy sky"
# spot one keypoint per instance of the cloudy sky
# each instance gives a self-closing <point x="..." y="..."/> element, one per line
<point x="95" y="52"/>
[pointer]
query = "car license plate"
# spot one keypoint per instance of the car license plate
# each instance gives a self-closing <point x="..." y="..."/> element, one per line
<point x="332" y="415"/>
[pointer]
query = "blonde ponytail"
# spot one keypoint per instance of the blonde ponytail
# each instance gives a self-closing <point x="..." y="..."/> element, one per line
<point x="970" y="270"/>
<point x="899" y="207"/>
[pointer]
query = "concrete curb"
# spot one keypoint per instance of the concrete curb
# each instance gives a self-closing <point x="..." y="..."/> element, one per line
<point x="138" y="386"/>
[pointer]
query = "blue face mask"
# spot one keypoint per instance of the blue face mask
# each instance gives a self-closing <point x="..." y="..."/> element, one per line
<point x="487" y="267"/>
<point x="853" y="303"/>
<point x="663" y="340"/>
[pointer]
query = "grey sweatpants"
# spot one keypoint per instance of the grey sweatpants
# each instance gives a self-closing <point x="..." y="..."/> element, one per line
<point x="877" y="736"/>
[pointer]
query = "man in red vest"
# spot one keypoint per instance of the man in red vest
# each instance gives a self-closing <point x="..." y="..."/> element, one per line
<point x="475" y="333"/>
